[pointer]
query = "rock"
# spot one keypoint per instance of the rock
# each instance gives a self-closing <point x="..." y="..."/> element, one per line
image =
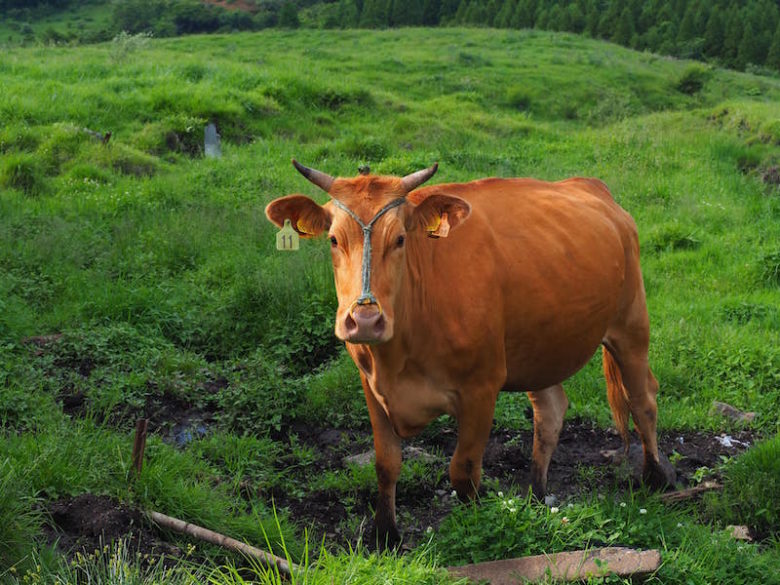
<point x="731" y="412"/>
<point x="409" y="454"/>
<point x="418" y="454"/>
<point x="361" y="459"/>
<point x="739" y="532"/>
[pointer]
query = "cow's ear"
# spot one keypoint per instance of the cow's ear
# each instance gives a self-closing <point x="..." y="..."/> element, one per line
<point x="438" y="214"/>
<point x="308" y="218"/>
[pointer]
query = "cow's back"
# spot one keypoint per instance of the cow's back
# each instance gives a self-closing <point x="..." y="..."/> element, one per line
<point x="539" y="268"/>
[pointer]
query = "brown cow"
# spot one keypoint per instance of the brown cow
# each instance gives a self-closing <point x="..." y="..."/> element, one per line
<point x="450" y="293"/>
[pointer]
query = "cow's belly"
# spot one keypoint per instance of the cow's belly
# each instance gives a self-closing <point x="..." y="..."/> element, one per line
<point x="550" y="362"/>
<point x="550" y="336"/>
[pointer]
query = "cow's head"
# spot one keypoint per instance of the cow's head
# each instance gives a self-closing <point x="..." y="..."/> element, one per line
<point x="370" y="224"/>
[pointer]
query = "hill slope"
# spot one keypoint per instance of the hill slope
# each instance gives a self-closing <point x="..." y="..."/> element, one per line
<point x="151" y="273"/>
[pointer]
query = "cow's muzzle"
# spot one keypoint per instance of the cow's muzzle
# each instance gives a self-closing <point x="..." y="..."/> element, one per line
<point x="365" y="323"/>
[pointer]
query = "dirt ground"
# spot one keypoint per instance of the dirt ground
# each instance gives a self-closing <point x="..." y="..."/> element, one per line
<point x="582" y="464"/>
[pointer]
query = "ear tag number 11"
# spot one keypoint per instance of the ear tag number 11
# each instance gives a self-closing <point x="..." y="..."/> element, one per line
<point x="287" y="239"/>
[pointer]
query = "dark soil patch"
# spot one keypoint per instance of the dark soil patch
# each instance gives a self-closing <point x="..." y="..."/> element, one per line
<point x="582" y="466"/>
<point x="87" y="523"/>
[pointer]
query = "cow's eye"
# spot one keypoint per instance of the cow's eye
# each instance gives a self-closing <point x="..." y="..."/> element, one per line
<point x="400" y="241"/>
<point x="334" y="242"/>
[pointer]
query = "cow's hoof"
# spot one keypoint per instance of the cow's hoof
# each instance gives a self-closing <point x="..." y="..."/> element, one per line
<point x="659" y="476"/>
<point x="386" y="538"/>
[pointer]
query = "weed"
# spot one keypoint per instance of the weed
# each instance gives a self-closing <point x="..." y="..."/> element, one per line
<point x="769" y="268"/>
<point x="24" y="172"/>
<point x="693" y="79"/>
<point x="751" y="489"/>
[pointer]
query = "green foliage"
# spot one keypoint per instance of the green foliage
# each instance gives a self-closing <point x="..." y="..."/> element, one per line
<point x="693" y="79"/>
<point x="20" y="519"/>
<point x="158" y="267"/>
<point x="751" y="490"/>
<point x="24" y="172"/>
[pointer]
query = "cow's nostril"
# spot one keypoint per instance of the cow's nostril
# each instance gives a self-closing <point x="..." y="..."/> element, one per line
<point x="379" y="326"/>
<point x="350" y="324"/>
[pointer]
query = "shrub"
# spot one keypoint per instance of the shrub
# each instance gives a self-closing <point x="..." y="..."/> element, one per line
<point x="751" y="490"/>
<point x="20" y="518"/>
<point x="24" y="172"/>
<point x="517" y="97"/>
<point x="769" y="268"/>
<point x="693" y="79"/>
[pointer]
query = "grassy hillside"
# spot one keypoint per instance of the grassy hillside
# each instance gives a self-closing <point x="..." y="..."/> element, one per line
<point x="157" y="266"/>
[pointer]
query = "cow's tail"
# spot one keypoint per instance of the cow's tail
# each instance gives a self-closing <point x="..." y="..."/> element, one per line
<point x="616" y="394"/>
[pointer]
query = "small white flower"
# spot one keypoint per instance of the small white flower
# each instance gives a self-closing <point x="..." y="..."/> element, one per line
<point x="454" y="494"/>
<point x="512" y="510"/>
<point x="622" y="504"/>
<point x="429" y="530"/>
<point x="565" y="520"/>
<point x="554" y="510"/>
<point x="500" y="494"/>
<point x="679" y="525"/>
<point x="642" y="511"/>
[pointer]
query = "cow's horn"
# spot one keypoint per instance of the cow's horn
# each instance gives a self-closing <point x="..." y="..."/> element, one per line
<point x="411" y="182"/>
<point x="319" y="178"/>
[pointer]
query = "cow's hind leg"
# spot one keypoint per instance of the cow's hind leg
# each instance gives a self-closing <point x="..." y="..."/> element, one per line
<point x="633" y="388"/>
<point x="549" y="407"/>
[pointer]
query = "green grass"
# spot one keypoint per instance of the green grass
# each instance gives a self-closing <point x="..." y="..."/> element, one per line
<point x="157" y="265"/>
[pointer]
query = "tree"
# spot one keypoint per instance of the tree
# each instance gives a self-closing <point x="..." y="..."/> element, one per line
<point x="576" y="18"/>
<point x="773" y="58"/>
<point x="688" y="25"/>
<point x="348" y="14"/>
<point x="431" y="12"/>
<point x="714" y="34"/>
<point x="375" y="14"/>
<point x="504" y="16"/>
<point x="288" y="15"/>
<point x="525" y="14"/>
<point x="732" y="35"/>
<point x="608" y="23"/>
<point x="406" y="13"/>
<point x="624" y="29"/>
<point x="448" y="10"/>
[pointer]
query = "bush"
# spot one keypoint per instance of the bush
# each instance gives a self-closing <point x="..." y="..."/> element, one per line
<point x="24" y="172"/>
<point x="751" y="490"/>
<point x="693" y="79"/>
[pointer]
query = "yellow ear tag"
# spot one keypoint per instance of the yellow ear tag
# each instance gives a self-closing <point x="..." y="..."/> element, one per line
<point x="287" y="239"/>
<point x="440" y="228"/>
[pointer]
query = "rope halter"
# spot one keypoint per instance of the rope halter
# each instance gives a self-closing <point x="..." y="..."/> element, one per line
<point x="366" y="296"/>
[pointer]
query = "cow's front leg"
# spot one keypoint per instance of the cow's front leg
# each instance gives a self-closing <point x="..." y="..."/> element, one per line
<point x="474" y="424"/>
<point x="387" y="446"/>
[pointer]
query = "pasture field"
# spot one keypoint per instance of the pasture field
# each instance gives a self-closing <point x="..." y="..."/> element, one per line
<point x="140" y="279"/>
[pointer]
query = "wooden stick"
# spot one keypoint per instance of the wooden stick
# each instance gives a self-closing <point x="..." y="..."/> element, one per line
<point x="686" y="494"/>
<point x="568" y="566"/>
<point x="225" y="541"/>
<point x="139" y="445"/>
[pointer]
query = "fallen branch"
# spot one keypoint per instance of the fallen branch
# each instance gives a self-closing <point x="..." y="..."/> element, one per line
<point x="225" y="541"/>
<point x="686" y="494"/>
<point x="569" y="566"/>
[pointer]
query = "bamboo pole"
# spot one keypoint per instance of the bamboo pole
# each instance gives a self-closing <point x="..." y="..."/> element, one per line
<point x="196" y="531"/>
